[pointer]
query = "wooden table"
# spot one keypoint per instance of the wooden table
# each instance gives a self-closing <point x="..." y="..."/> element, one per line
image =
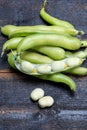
<point x="17" y="111"/>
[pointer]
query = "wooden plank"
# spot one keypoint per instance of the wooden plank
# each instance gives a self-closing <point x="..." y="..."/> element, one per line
<point x="17" y="111"/>
<point x="33" y="119"/>
<point x="18" y="82"/>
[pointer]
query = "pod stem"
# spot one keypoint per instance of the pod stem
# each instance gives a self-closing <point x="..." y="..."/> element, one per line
<point x="84" y="43"/>
<point x="2" y="53"/>
<point x="81" y="32"/>
<point x="44" y="4"/>
<point x="3" y="50"/>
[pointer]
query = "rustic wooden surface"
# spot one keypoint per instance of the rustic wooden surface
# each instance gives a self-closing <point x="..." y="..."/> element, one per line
<point x="17" y="111"/>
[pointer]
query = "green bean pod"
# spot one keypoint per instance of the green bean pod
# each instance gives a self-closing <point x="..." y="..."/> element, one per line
<point x="80" y="54"/>
<point x="11" y="44"/>
<point x="27" y="32"/>
<point x="58" y="53"/>
<point x="53" y="67"/>
<point x="16" y="31"/>
<point x="43" y="30"/>
<point x="11" y="58"/>
<point x="67" y="42"/>
<point x="32" y="57"/>
<point x="8" y="29"/>
<point x="60" y="78"/>
<point x="52" y="20"/>
<point x="80" y="71"/>
<point x="55" y="53"/>
<point x="35" y="57"/>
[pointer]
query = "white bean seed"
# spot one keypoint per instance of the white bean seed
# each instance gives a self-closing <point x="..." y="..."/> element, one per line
<point x="27" y="66"/>
<point x="58" y="66"/>
<point x="46" y="101"/>
<point x="44" y="69"/>
<point x="37" y="94"/>
<point x="73" y="61"/>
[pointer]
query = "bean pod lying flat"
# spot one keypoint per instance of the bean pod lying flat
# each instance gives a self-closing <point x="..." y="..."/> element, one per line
<point x="67" y="42"/>
<point x="54" y="67"/>
<point x="58" y="77"/>
<point x="11" y="44"/>
<point x="9" y="29"/>
<point x="52" y="20"/>
<point x="43" y="30"/>
<point x="55" y="53"/>
<point x="50" y="51"/>
<point x="30" y="56"/>
<point x="35" y="57"/>
<point x="81" y="71"/>
<point x="80" y="54"/>
<point x="16" y="31"/>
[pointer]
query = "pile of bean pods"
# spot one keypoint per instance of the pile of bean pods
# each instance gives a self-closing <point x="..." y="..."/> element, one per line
<point x="46" y="52"/>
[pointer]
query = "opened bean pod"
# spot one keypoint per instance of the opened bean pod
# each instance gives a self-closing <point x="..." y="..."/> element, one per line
<point x="39" y="69"/>
<point x="30" y="56"/>
<point x="58" y="77"/>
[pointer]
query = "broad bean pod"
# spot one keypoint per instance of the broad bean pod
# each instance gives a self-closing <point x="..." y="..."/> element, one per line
<point x="11" y="59"/>
<point x="13" y="43"/>
<point x="31" y="56"/>
<point x="8" y="29"/>
<point x="67" y="42"/>
<point x="58" y="53"/>
<point x="43" y="30"/>
<point x="10" y="44"/>
<point x="54" y="67"/>
<point x="35" y="57"/>
<point x="80" y="71"/>
<point x="15" y="31"/>
<point x="55" y="53"/>
<point x="52" y="20"/>
<point x="60" y="78"/>
<point x="81" y="54"/>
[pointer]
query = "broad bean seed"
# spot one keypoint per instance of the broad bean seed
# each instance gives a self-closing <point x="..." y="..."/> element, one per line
<point x="46" y="101"/>
<point x="36" y="94"/>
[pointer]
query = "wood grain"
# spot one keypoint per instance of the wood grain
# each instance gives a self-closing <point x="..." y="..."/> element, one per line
<point x="17" y="111"/>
